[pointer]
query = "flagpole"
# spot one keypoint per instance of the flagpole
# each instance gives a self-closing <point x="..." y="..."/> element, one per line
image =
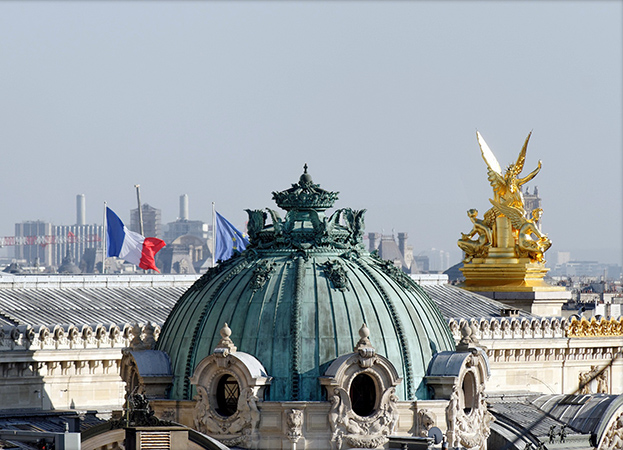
<point x="140" y="211"/>
<point x="105" y="245"/>
<point x="213" y="236"/>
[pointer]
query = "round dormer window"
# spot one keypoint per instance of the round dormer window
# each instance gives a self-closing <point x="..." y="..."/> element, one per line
<point x="469" y="393"/>
<point x="227" y="394"/>
<point x="363" y="395"/>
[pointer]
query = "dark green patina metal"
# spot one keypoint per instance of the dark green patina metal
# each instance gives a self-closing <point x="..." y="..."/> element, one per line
<point x="296" y="298"/>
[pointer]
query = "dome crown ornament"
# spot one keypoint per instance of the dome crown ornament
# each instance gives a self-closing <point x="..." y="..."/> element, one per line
<point x="305" y="195"/>
<point x="305" y="225"/>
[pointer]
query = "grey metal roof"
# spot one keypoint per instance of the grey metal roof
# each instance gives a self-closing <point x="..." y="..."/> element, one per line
<point x="457" y="303"/>
<point x="449" y="364"/>
<point x="88" y="306"/>
<point x="152" y="363"/>
<point x="583" y="412"/>
<point x="531" y="416"/>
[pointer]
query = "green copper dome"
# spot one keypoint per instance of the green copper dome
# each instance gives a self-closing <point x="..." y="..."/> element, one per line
<point x="296" y="298"/>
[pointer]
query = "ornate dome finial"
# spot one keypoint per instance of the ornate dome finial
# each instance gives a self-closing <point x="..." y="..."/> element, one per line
<point x="364" y="332"/>
<point x="364" y="342"/>
<point x="306" y="179"/>
<point x="226" y="342"/>
<point x="364" y="347"/>
<point x="305" y="195"/>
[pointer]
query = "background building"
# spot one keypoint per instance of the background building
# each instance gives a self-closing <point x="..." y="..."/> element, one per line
<point x="32" y="253"/>
<point x="152" y="221"/>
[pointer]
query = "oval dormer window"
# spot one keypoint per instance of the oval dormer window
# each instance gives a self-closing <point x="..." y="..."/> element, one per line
<point x="363" y="395"/>
<point x="469" y="393"/>
<point x="227" y="393"/>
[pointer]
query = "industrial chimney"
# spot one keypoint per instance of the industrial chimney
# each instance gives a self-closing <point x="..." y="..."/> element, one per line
<point x="80" y="210"/>
<point x="184" y="207"/>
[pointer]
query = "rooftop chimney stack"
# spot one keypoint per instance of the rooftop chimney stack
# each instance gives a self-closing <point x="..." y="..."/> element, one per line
<point x="80" y="210"/>
<point x="184" y="207"/>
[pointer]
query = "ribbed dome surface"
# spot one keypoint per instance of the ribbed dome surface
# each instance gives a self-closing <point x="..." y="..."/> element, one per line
<point x="296" y="299"/>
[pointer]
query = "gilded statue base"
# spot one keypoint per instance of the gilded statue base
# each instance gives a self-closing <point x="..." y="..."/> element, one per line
<point x="501" y="271"/>
<point x="516" y="282"/>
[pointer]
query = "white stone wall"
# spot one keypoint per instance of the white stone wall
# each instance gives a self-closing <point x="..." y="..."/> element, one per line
<point x="536" y="355"/>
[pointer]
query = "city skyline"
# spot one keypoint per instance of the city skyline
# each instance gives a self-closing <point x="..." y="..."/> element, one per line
<point x="226" y="102"/>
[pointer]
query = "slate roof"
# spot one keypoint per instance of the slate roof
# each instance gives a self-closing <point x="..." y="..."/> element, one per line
<point x="67" y="300"/>
<point x="388" y="250"/>
<point x="457" y="303"/>
<point x="87" y="306"/>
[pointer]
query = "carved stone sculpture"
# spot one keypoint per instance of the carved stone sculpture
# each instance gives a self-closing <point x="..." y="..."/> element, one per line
<point x="361" y="432"/>
<point x="238" y="429"/>
<point x="425" y="421"/>
<point x="468" y="430"/>
<point x="353" y="425"/>
<point x="294" y="421"/>
<point x="613" y="439"/>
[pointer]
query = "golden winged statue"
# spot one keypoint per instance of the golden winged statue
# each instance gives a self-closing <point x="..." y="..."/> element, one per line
<point x="506" y="186"/>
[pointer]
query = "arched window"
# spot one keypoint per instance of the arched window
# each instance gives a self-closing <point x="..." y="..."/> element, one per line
<point x="363" y="395"/>
<point x="227" y="393"/>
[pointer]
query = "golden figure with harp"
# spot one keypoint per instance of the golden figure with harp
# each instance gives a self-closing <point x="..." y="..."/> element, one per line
<point x="506" y="226"/>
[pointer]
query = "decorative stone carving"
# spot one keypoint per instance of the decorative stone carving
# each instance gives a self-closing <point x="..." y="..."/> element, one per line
<point x="468" y="430"/>
<point x="261" y="274"/>
<point x="593" y="381"/>
<point x="294" y="421"/>
<point x="238" y="429"/>
<point x="468" y="337"/>
<point x="361" y="432"/>
<point x="460" y="377"/>
<point x="425" y="421"/>
<point x="613" y="437"/>
<point x="354" y="426"/>
<point x="395" y="273"/>
<point x="257" y="220"/>
<point x="219" y="378"/>
<point x="225" y="345"/>
<point x="337" y="274"/>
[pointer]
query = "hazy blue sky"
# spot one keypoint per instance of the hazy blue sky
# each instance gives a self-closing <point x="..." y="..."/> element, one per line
<point x="226" y="101"/>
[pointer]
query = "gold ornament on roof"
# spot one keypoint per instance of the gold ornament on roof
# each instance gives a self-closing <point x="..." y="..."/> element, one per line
<point x="595" y="328"/>
<point x="516" y="230"/>
<point x="478" y="248"/>
<point x="504" y="250"/>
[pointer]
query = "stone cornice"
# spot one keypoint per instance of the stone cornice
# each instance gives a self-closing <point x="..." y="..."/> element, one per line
<point x="539" y="328"/>
<point x="75" y="337"/>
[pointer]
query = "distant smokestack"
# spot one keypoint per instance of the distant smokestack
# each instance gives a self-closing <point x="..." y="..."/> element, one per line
<point x="80" y="210"/>
<point x="184" y="207"/>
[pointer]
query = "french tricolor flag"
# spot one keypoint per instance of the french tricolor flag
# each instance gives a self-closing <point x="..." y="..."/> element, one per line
<point x="133" y="247"/>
